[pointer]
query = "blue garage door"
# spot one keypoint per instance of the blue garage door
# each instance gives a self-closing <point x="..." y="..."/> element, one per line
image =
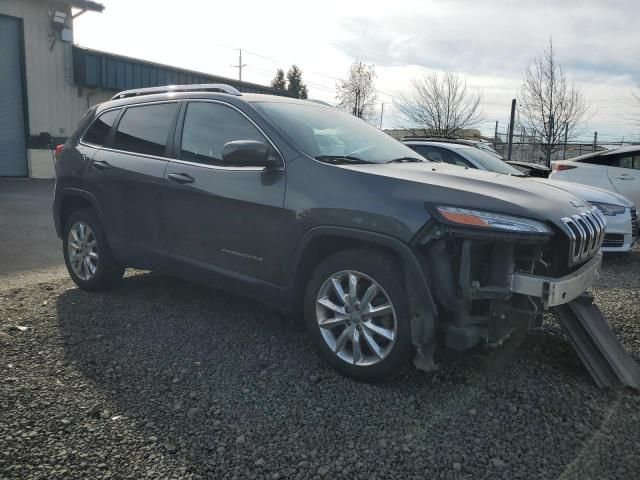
<point x="13" y="148"/>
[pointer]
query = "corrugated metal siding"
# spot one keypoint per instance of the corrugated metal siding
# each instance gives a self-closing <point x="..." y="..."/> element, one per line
<point x="96" y="69"/>
<point x="54" y="104"/>
<point x="13" y="154"/>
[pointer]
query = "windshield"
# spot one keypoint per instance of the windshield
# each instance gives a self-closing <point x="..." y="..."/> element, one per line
<point x="491" y="162"/>
<point x="487" y="148"/>
<point x="326" y="132"/>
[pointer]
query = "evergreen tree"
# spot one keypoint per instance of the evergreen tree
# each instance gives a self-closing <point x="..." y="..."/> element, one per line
<point x="295" y="86"/>
<point x="279" y="84"/>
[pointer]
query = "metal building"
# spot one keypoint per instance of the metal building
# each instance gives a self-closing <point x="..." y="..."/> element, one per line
<point x="47" y="83"/>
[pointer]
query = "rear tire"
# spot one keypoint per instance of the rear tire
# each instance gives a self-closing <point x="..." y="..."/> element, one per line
<point x="362" y="332"/>
<point x="87" y="255"/>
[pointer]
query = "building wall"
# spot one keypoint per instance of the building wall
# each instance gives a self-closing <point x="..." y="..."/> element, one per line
<point x="54" y="104"/>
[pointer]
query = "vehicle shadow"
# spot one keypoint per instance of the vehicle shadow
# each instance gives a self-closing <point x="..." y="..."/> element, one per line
<point x="198" y="369"/>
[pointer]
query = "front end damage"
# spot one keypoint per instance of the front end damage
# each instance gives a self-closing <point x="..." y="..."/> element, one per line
<point x="488" y="285"/>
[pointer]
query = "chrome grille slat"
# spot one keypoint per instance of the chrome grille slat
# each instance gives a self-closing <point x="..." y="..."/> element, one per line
<point x="586" y="233"/>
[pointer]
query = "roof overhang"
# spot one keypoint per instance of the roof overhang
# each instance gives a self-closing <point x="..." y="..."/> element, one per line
<point x="86" y="5"/>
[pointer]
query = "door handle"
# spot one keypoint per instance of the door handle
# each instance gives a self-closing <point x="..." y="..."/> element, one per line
<point x="181" y="178"/>
<point x="624" y="177"/>
<point x="100" y="165"/>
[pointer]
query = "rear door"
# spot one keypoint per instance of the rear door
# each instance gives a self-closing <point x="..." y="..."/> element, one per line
<point x="624" y="174"/>
<point x="126" y="177"/>
<point x="221" y="219"/>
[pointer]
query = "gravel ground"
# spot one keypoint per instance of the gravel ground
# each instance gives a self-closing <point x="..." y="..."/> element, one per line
<point x="163" y="379"/>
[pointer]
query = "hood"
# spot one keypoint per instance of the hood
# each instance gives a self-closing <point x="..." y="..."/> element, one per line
<point x="444" y="184"/>
<point x="589" y="193"/>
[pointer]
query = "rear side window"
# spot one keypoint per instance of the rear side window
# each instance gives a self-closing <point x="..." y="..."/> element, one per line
<point x="208" y="126"/>
<point x="99" y="129"/>
<point x="145" y="129"/>
<point x="436" y="154"/>
<point x="623" y="161"/>
<point x="604" y="160"/>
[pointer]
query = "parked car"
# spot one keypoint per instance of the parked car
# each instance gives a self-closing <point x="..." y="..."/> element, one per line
<point x="617" y="170"/>
<point x="484" y="146"/>
<point x="622" y="219"/>
<point x="312" y="210"/>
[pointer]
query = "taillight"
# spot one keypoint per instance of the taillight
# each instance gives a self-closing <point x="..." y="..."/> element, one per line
<point x="59" y="151"/>
<point x="558" y="167"/>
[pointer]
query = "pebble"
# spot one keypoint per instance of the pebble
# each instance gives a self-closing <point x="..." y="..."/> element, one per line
<point x="530" y="419"/>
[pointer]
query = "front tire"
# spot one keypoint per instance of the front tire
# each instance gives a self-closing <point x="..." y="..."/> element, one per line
<point x="357" y="315"/>
<point x="87" y="255"/>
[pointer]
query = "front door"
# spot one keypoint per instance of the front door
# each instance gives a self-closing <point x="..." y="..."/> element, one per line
<point x="222" y="219"/>
<point x="624" y="173"/>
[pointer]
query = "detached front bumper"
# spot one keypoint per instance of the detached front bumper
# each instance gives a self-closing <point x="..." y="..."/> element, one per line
<point x="558" y="291"/>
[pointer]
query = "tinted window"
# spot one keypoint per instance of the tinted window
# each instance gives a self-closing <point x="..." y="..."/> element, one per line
<point x="428" y="153"/>
<point x="595" y="159"/>
<point x="145" y="129"/>
<point x="490" y="162"/>
<point x="99" y="129"/>
<point x="436" y="154"/>
<point x="623" y="161"/>
<point x="208" y="126"/>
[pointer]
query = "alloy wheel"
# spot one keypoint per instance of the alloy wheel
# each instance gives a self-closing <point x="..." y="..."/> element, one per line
<point x="356" y="318"/>
<point x="82" y="247"/>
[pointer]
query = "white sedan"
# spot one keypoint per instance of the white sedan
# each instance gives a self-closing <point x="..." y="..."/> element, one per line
<point x="616" y="170"/>
<point x="622" y="220"/>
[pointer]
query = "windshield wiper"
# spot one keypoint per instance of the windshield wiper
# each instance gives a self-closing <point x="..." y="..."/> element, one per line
<point x="341" y="159"/>
<point x="406" y="160"/>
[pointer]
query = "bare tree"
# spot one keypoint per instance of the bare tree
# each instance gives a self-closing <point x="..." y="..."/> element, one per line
<point x="357" y="93"/>
<point x="441" y="104"/>
<point x="548" y="103"/>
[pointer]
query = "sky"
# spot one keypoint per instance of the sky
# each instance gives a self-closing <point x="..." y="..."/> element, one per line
<point x="489" y="42"/>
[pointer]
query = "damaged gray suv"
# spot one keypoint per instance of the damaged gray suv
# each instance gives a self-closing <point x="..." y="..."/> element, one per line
<point x="384" y="254"/>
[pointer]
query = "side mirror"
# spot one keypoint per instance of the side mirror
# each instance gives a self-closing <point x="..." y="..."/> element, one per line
<point x="247" y="153"/>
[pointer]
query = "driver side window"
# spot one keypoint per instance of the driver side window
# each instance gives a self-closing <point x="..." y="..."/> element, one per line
<point x="208" y="127"/>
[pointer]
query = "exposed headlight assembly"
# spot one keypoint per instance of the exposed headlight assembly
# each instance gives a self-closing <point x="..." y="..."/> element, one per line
<point x="609" y="209"/>
<point x="493" y="221"/>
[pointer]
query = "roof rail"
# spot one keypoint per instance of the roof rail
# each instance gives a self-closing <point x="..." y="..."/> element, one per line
<point x="198" y="87"/>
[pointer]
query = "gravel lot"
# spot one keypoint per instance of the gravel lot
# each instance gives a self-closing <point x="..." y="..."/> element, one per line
<point x="163" y="379"/>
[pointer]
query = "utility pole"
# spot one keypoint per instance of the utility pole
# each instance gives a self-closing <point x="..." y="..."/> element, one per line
<point x="513" y="116"/>
<point x="381" y="112"/>
<point x="566" y="132"/>
<point x="595" y="141"/>
<point x="522" y="144"/>
<point x="550" y="141"/>
<point x="240" y="65"/>
<point x="495" y="136"/>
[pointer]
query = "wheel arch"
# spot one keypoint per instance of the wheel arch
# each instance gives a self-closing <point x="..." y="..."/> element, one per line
<point x="320" y="242"/>
<point x="72" y="200"/>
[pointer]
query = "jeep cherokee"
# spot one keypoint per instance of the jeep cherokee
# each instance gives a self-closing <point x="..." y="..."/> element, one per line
<point x="307" y="208"/>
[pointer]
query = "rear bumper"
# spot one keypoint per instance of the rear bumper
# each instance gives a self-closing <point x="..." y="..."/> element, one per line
<point x="558" y="291"/>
